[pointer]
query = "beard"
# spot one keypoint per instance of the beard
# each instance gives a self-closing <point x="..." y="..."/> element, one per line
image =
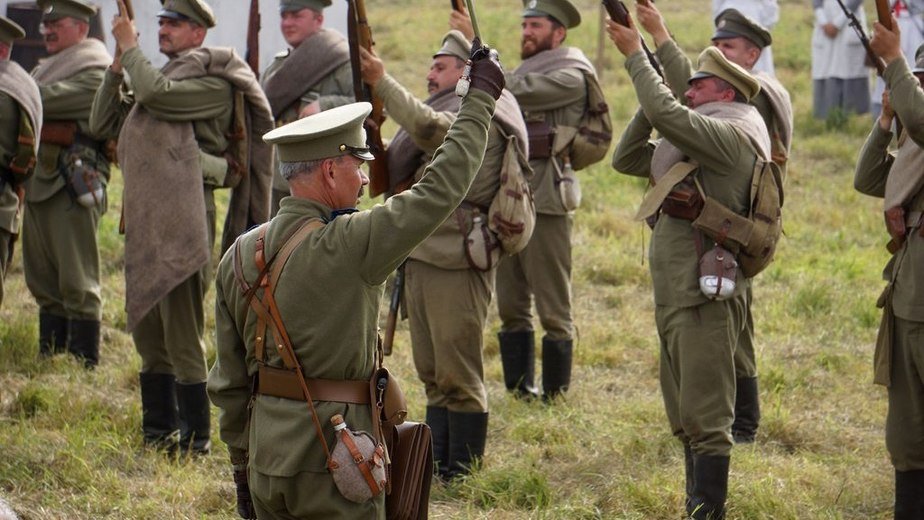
<point x="538" y="45"/>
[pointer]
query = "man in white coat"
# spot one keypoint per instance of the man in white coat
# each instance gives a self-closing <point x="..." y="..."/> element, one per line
<point x="839" y="76"/>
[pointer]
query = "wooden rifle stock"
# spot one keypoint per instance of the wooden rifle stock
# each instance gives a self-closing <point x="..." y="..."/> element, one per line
<point x="129" y="11"/>
<point x="620" y="14"/>
<point x="457" y="5"/>
<point x="360" y="36"/>
<point x="394" y="308"/>
<point x="253" y="38"/>
<point x="884" y="13"/>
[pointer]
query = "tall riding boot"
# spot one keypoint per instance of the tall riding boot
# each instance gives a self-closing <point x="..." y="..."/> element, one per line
<point x="159" y="422"/>
<point x="468" y="433"/>
<point x="691" y="476"/>
<point x="556" y="367"/>
<point x="710" y="487"/>
<point x="518" y="357"/>
<point x="747" y="410"/>
<point x="52" y="334"/>
<point x="438" y="421"/>
<point x="909" y="495"/>
<point x="84" y="341"/>
<point x="195" y="422"/>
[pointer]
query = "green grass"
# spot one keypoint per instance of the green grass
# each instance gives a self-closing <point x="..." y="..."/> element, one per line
<point x="71" y="443"/>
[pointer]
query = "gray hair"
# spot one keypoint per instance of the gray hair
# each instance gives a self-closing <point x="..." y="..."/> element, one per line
<point x="290" y="170"/>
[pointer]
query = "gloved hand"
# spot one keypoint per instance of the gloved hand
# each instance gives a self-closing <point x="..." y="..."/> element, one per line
<point x="244" y="501"/>
<point x="487" y="73"/>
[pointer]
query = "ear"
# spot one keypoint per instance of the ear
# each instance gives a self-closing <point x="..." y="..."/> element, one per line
<point x="327" y="173"/>
<point x="560" y="32"/>
<point x="753" y="55"/>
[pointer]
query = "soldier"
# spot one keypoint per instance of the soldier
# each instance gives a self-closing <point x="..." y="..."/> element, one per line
<point x="898" y="179"/>
<point x="551" y="89"/>
<point x="313" y="75"/>
<point x="67" y="195"/>
<point x="340" y="268"/>
<point x="740" y="39"/>
<point x="725" y="137"/>
<point x="175" y="150"/>
<point x="910" y="16"/>
<point x="440" y="277"/>
<point x="766" y="13"/>
<point x="21" y="120"/>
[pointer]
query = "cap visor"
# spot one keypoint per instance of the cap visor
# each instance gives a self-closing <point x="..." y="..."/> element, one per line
<point x="173" y="15"/>
<point x="699" y="75"/>
<point x="364" y="155"/>
<point x="724" y="35"/>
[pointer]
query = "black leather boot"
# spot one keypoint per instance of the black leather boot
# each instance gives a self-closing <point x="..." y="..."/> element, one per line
<point x="747" y="410"/>
<point x="518" y="357"/>
<point x="468" y="433"/>
<point x="909" y="495"/>
<point x="710" y="487"/>
<point x="556" y="367"/>
<point x="691" y="476"/>
<point x="159" y="420"/>
<point x="52" y="334"/>
<point x="84" y="341"/>
<point x="438" y="421"/>
<point x="195" y="422"/>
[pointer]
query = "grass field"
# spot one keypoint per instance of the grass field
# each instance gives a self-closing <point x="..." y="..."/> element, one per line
<point x="70" y="443"/>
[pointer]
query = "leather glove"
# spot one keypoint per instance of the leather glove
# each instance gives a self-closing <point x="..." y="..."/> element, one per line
<point x="487" y="73"/>
<point x="244" y="501"/>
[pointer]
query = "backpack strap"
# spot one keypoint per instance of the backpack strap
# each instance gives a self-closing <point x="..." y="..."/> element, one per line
<point x="656" y="195"/>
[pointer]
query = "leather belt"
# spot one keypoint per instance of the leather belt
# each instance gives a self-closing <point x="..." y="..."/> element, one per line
<point x="282" y="382"/>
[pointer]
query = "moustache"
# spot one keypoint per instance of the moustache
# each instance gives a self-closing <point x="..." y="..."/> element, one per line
<point x="51" y="37"/>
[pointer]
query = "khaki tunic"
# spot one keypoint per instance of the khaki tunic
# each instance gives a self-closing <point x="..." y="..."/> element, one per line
<point x="60" y="254"/>
<point x="447" y="300"/>
<point x="543" y="269"/>
<point x="338" y="276"/>
<point x="9" y="203"/>
<point x="170" y="338"/>
<point x="904" y="303"/>
<point x="698" y="337"/>
<point x="334" y="90"/>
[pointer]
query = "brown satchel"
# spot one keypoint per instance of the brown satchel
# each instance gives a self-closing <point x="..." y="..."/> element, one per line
<point x="411" y="448"/>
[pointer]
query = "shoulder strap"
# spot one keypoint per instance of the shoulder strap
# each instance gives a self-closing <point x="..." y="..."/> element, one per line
<point x="659" y="191"/>
<point x="23" y="161"/>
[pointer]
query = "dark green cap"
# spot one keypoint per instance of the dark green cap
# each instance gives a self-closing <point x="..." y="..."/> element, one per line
<point x="56" y="9"/>
<point x="561" y="10"/>
<point x="10" y="30"/>
<point x="712" y="63"/>
<point x="331" y="133"/>
<point x="298" y="5"/>
<point x="455" y="44"/>
<point x="188" y="10"/>
<point x="732" y="24"/>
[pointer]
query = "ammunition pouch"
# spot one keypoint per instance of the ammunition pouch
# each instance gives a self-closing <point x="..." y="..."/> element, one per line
<point x="541" y="137"/>
<point x="727" y="228"/>
<point x="59" y="133"/>
<point x="684" y="201"/>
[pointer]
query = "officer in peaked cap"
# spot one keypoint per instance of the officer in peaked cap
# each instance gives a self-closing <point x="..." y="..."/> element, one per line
<point x="298" y="5"/>
<point x="562" y="11"/>
<point x="730" y="23"/>
<point x="195" y="11"/>
<point x="56" y="9"/>
<point x="455" y="44"/>
<point x="10" y="31"/>
<point x="713" y="63"/>
<point x="337" y="268"/>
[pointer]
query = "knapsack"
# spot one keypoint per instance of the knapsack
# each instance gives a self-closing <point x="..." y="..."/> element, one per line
<point x="22" y="164"/>
<point x="512" y="215"/>
<point x="594" y="131"/>
<point x="752" y="238"/>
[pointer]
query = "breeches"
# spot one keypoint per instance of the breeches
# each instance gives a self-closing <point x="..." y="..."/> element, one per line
<point x="745" y="356"/>
<point x="169" y="338"/>
<point x="447" y="309"/>
<point x="307" y="495"/>
<point x="541" y="270"/>
<point x="61" y="258"/>
<point x="698" y="371"/>
<point x="905" y="419"/>
<point x="5" y="239"/>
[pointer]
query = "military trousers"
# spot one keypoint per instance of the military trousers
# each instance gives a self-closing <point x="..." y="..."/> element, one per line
<point x="61" y="257"/>
<point x="905" y="418"/>
<point x="447" y="309"/>
<point x="307" y="495"/>
<point x="6" y="238"/>
<point x="170" y="338"/>
<point x="745" y="356"/>
<point x="542" y="271"/>
<point x="697" y="371"/>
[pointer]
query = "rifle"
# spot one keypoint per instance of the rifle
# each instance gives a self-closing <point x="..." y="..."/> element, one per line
<point x="456" y="5"/>
<point x="360" y="35"/>
<point x="884" y="13"/>
<point x="394" y="307"/>
<point x="252" y="54"/>
<point x="128" y="9"/>
<point x="620" y="14"/>
<point x="861" y="34"/>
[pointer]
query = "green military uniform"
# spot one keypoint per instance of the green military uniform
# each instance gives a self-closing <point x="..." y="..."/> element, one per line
<point x="20" y="114"/>
<point x="447" y="296"/>
<point x="550" y="88"/>
<point x="897" y="177"/>
<point x="60" y="254"/>
<point x="775" y="108"/>
<point x="178" y="116"/>
<point x="317" y="70"/>
<point x="340" y="271"/>
<point x="698" y="336"/>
